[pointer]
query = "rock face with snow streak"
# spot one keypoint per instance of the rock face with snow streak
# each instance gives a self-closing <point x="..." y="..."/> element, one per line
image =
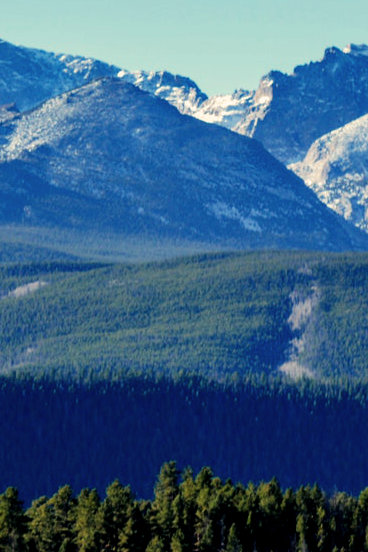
<point x="227" y="110"/>
<point x="110" y="156"/>
<point x="336" y="168"/>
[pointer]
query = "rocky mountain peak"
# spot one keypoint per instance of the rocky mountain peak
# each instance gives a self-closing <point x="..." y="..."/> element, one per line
<point x="179" y="91"/>
<point x="332" y="51"/>
<point x="288" y="112"/>
<point x="356" y="49"/>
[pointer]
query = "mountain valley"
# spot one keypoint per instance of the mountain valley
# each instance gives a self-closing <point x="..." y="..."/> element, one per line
<point x="169" y="288"/>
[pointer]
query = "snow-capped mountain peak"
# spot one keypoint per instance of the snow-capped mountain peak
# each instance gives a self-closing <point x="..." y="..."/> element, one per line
<point x="180" y="91"/>
<point x="29" y="76"/>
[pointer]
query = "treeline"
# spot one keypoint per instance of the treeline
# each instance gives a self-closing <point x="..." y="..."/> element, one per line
<point x="190" y="513"/>
<point x="58" y="432"/>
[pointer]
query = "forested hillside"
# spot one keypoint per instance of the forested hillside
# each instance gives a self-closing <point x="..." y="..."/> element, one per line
<point x="14" y="251"/>
<point x="252" y="363"/>
<point x="214" y="315"/>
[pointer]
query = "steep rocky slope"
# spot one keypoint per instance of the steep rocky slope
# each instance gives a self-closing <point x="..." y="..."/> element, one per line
<point x="336" y="168"/>
<point x="288" y="112"/>
<point x="29" y="76"/>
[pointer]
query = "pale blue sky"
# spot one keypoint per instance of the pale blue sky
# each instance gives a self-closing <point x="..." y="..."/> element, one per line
<point x="221" y="45"/>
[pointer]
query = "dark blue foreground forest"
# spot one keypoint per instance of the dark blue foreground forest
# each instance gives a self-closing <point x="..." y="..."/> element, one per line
<point x="88" y="435"/>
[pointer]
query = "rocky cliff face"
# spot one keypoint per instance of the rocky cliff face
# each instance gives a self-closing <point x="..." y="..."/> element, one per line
<point x="336" y="168"/>
<point x="314" y="100"/>
<point x="288" y="112"/>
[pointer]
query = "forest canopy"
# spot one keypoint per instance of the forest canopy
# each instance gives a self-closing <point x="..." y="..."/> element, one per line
<point x="187" y="513"/>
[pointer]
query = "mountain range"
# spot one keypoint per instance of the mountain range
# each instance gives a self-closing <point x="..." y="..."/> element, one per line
<point x="286" y="112"/>
<point x="290" y="113"/>
<point x="108" y="158"/>
<point x="254" y="362"/>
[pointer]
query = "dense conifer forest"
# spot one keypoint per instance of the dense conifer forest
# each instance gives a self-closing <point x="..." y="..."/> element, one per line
<point x="87" y="434"/>
<point x="187" y="513"/>
<point x="212" y="315"/>
<point x="109" y="371"/>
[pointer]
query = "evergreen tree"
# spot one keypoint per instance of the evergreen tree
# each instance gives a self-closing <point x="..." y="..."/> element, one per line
<point x="251" y="511"/>
<point x="178" y="543"/>
<point x="301" y="531"/>
<point x="269" y="526"/>
<point x="12" y="522"/>
<point x="134" y="536"/>
<point x="63" y="504"/>
<point x="185" y="506"/>
<point x="88" y="521"/>
<point x="359" y="537"/>
<point x="233" y="542"/>
<point x="162" y="514"/>
<point x="115" y="513"/>
<point x="342" y="510"/>
<point x="156" y="545"/>
<point x="288" y="521"/>
<point x="40" y="536"/>
<point x="206" y="532"/>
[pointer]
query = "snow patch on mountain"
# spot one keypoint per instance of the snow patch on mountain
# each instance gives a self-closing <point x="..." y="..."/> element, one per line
<point x="226" y="110"/>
